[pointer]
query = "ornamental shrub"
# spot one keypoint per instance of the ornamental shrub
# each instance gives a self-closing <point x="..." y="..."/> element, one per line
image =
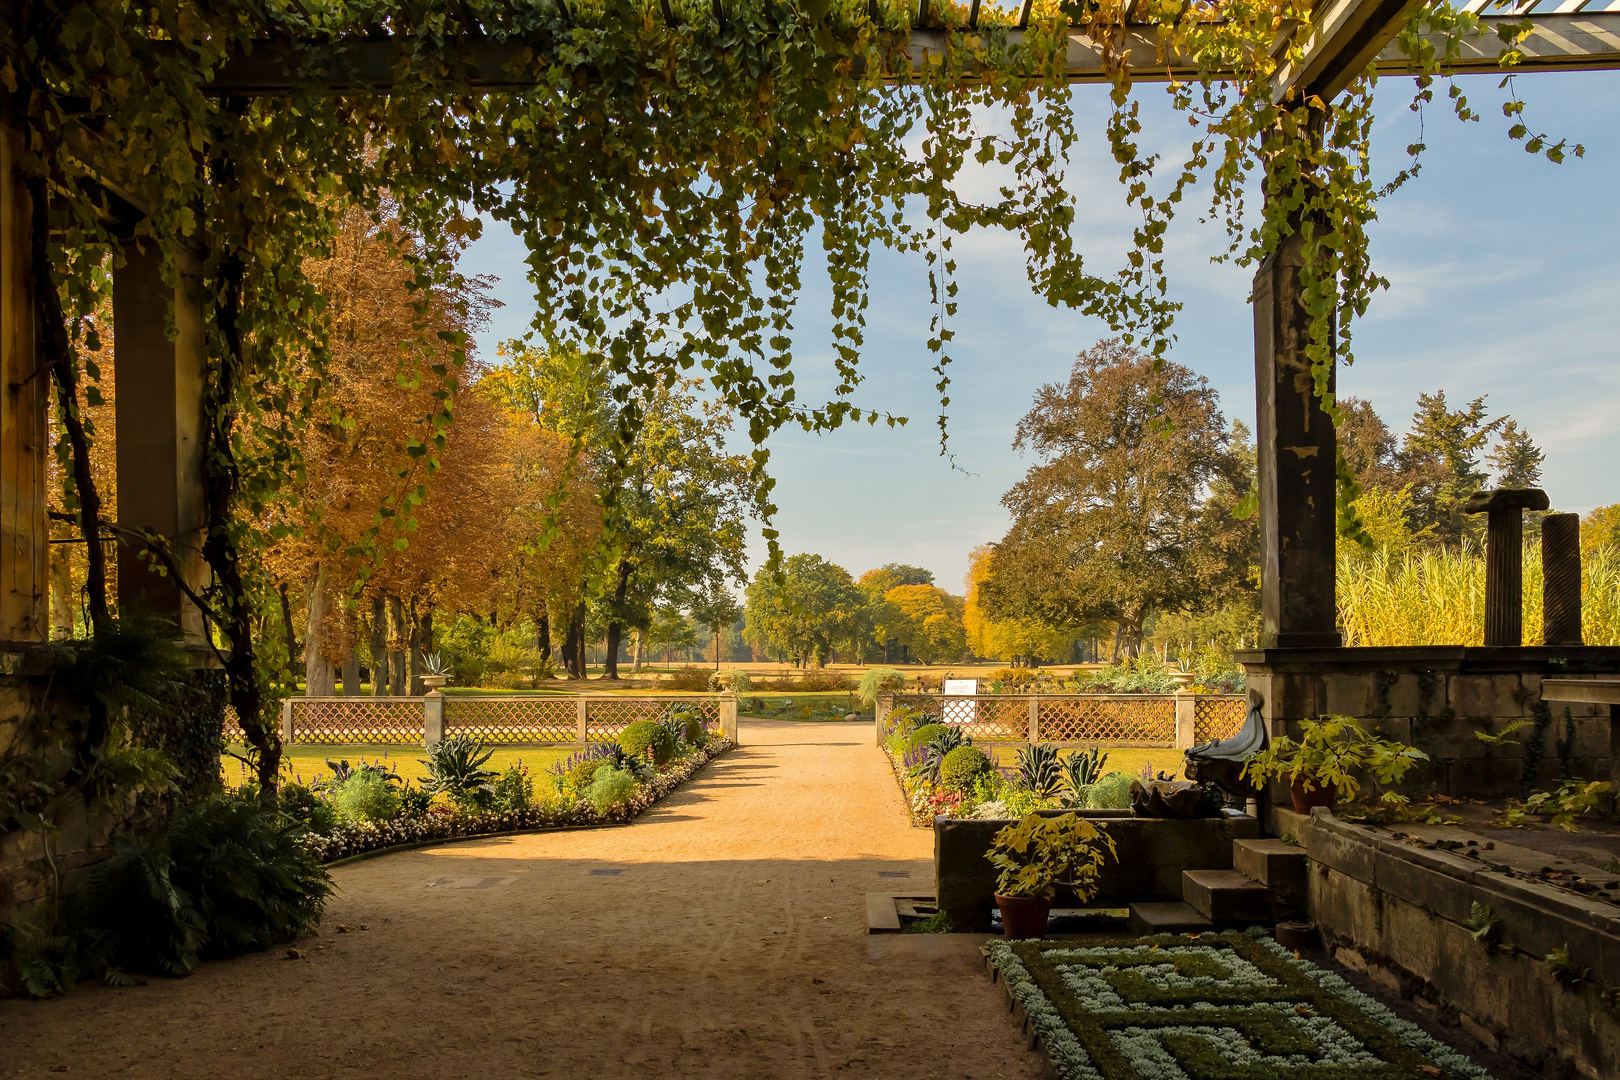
<point x="307" y="808"/>
<point x="924" y="735"/>
<point x="962" y="767"/>
<point x="609" y="788"/>
<point x="514" y="790"/>
<point x="365" y="796"/>
<point x="879" y="680"/>
<point x="1111" y="792"/>
<point x="649" y="739"/>
<point x="735" y="681"/>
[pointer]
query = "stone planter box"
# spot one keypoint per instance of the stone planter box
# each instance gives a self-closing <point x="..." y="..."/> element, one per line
<point x="1152" y="854"/>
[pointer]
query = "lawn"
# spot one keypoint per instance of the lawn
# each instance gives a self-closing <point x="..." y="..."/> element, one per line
<point x="306" y="761"/>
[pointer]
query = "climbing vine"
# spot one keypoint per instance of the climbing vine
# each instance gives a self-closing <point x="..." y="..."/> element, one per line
<point x="666" y="165"/>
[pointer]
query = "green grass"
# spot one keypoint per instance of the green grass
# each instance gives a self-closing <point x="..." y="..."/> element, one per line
<point x="305" y="761"/>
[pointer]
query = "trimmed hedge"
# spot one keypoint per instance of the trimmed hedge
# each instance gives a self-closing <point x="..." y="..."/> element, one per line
<point x="962" y="767"/>
<point x="924" y="735"/>
<point x="649" y="739"/>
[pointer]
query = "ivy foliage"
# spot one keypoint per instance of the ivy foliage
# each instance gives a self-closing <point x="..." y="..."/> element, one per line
<point x="666" y="165"/>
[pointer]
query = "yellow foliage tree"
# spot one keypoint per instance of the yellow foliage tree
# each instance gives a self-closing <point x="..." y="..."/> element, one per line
<point x="1011" y="640"/>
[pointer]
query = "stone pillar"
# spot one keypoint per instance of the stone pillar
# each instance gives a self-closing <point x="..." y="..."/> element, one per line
<point x="24" y="400"/>
<point x="1561" y="579"/>
<point x="1296" y="478"/>
<point x="728" y="718"/>
<point x="160" y="428"/>
<point x="880" y="715"/>
<point x="581" y="721"/>
<point x="432" y="717"/>
<point x="286" y="721"/>
<point x="1504" y="559"/>
<point x="1186" y="719"/>
<point x="1034" y="719"/>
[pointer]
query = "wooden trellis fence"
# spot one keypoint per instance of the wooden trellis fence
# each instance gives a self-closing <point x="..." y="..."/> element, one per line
<point x="1148" y="720"/>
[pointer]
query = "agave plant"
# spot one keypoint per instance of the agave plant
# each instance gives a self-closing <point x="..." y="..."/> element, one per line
<point x="455" y="766"/>
<point x="1082" y="769"/>
<point x="1040" y="770"/>
<point x="433" y="664"/>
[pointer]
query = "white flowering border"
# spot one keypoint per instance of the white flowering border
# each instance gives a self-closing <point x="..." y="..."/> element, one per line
<point x="353" y="838"/>
<point x="1147" y="1056"/>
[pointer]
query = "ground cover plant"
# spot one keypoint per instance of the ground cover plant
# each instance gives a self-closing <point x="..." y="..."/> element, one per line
<point x="1235" y="1006"/>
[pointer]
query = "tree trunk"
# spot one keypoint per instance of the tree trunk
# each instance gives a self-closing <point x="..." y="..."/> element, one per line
<point x="289" y="636"/>
<point x="635" y="651"/>
<point x="413" y="651"/>
<point x="615" y="628"/>
<point x="574" y="644"/>
<point x="61" y="593"/>
<point x="543" y="642"/>
<point x="379" y="647"/>
<point x="399" y="636"/>
<point x="317" y="669"/>
<point x="351" y="672"/>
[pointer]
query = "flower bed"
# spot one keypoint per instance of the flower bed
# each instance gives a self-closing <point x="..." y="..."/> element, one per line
<point x="1236" y="1006"/>
<point x="445" y="823"/>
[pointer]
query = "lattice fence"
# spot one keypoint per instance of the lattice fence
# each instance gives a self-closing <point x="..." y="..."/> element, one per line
<point x="1219" y="717"/>
<point x="513" y="719"/>
<point x="1122" y="720"/>
<point x="359" y="720"/>
<point x="606" y="717"/>
<point x="990" y="718"/>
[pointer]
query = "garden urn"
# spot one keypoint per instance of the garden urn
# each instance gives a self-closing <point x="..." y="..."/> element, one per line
<point x="433" y="682"/>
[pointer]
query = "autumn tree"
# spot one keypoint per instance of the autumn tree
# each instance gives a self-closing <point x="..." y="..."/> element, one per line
<point x="1111" y="522"/>
<point x="927" y="620"/>
<point x="880" y="619"/>
<point x="1017" y="641"/>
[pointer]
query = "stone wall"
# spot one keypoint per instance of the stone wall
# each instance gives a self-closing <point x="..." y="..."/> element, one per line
<point x="1439" y="698"/>
<point x="1401" y="913"/>
<point x="39" y="724"/>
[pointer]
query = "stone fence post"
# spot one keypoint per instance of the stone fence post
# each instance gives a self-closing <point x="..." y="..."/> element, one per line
<point x="1186" y="719"/>
<point x="581" y="720"/>
<point x="880" y="715"/>
<point x="728" y="718"/>
<point x="286" y="721"/>
<point x="432" y="718"/>
<point x="1034" y="719"/>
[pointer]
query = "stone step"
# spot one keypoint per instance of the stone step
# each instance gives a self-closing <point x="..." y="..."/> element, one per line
<point x="1226" y="896"/>
<point x="1270" y="862"/>
<point x="1167" y="918"/>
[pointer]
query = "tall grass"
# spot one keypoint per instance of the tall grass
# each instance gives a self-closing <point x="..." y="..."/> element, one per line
<point x="1432" y="597"/>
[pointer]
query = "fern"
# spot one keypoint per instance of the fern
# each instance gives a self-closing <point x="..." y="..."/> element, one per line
<point x="1564" y="968"/>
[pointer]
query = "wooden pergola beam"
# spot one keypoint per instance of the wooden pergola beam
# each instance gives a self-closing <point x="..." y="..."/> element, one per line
<point x="1352" y="34"/>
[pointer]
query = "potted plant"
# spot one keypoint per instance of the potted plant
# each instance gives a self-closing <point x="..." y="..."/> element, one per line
<point x="1321" y="765"/>
<point x="1037" y="855"/>
<point x="435" y="674"/>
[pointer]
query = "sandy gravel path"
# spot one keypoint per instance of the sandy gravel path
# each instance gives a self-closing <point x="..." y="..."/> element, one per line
<point x="731" y="943"/>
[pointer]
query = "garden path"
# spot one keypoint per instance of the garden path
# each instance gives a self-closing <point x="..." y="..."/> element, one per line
<point x="727" y="938"/>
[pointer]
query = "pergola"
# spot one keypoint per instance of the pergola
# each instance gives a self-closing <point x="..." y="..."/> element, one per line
<point x="159" y="381"/>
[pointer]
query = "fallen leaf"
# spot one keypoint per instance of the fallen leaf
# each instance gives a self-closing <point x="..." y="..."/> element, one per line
<point x="295" y="954"/>
<point x="344" y="929"/>
<point x="1430" y="1070"/>
<point x="1303" y="1010"/>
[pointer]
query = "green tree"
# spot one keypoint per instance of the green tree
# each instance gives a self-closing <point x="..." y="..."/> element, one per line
<point x="810" y="613"/>
<point x="927" y="620"/>
<point x="1109" y="523"/>
<point x="1440" y="459"/>
<point x="717" y="610"/>
<point x="1516" y="459"/>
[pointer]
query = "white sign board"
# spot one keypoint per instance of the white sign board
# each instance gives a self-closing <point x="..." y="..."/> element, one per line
<point x="963" y="712"/>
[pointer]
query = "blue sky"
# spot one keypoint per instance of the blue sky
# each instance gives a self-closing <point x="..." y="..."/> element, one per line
<point x="1505" y="281"/>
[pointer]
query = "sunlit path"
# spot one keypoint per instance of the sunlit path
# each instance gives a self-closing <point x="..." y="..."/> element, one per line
<point x="721" y="935"/>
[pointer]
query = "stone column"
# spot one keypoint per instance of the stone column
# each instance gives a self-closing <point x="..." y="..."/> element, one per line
<point x="432" y="717"/>
<point x="1186" y="719"/>
<point x="728" y="718"/>
<point x="286" y="721"/>
<point x="581" y="721"/>
<point x="1297" y="451"/>
<point x="1561" y="579"/>
<point x="24" y="398"/>
<point x="1034" y="719"/>
<point x="160" y="428"/>
<point x="1504" y="558"/>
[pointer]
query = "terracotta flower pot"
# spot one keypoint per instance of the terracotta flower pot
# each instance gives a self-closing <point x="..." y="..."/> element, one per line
<point x="1023" y="916"/>
<point x="1306" y="801"/>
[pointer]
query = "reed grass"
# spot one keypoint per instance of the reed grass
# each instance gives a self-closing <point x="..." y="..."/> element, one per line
<point x="1437" y="597"/>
